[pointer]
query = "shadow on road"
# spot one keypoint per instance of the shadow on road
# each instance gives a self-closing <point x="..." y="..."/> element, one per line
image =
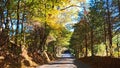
<point x="65" y="61"/>
<point x="80" y="64"/>
<point x="59" y="63"/>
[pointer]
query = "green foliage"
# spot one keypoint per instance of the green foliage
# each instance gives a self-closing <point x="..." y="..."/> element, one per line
<point x="96" y="22"/>
<point x="63" y="37"/>
<point x="116" y="39"/>
<point x="99" y="49"/>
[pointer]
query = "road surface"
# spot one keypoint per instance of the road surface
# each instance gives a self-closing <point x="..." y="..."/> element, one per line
<point x="66" y="61"/>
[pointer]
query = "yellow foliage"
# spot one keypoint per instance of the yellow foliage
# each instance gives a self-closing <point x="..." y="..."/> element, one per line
<point x="52" y="18"/>
<point x="53" y="12"/>
<point x="54" y="25"/>
<point x="36" y="19"/>
<point x="50" y="22"/>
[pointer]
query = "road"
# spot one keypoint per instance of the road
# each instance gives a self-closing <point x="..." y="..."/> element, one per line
<point x="66" y="61"/>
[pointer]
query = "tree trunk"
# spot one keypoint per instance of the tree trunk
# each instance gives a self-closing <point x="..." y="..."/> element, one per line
<point x="45" y="34"/>
<point x="76" y="52"/>
<point x="105" y="37"/>
<point x="109" y="28"/>
<point x="7" y="22"/>
<point x="54" y="52"/>
<point x="18" y="19"/>
<point x="1" y="17"/>
<point x="86" y="46"/>
<point x="118" y="34"/>
<point x="92" y="50"/>
<point x="22" y="27"/>
<point x="119" y="7"/>
<point x="46" y="56"/>
<point x="118" y="44"/>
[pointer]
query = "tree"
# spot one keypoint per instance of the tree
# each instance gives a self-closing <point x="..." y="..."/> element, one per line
<point x="100" y="22"/>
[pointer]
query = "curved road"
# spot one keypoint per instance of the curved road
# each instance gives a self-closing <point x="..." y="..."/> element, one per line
<point x="65" y="62"/>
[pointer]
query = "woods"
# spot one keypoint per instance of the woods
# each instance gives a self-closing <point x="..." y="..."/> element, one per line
<point x="35" y="32"/>
<point x="30" y="32"/>
<point x="98" y="28"/>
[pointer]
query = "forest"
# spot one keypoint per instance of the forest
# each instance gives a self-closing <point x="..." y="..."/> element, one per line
<point x="35" y="32"/>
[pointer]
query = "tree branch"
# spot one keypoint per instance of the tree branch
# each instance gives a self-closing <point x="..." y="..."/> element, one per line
<point x="70" y="7"/>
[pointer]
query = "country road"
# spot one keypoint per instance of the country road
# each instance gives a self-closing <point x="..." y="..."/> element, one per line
<point x="66" y="61"/>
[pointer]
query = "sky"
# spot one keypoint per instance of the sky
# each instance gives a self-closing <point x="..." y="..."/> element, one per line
<point x="76" y="10"/>
<point x="87" y="1"/>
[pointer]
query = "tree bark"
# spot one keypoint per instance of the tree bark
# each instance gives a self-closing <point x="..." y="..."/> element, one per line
<point x="76" y="52"/>
<point x="86" y="46"/>
<point x="118" y="34"/>
<point x="109" y="28"/>
<point x="92" y="50"/>
<point x="118" y="45"/>
<point x="18" y="19"/>
<point x="105" y="37"/>
<point x="1" y="17"/>
<point x="119" y="7"/>
<point x="22" y="27"/>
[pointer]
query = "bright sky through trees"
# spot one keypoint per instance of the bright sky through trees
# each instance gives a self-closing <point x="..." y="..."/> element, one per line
<point x="75" y="11"/>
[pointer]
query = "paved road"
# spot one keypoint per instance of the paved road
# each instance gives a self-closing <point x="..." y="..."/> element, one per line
<point x="62" y="63"/>
<point x="65" y="62"/>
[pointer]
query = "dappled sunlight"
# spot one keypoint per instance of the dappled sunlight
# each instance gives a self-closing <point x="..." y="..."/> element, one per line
<point x="59" y="33"/>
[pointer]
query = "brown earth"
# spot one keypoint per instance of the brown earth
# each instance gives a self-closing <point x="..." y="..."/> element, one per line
<point x="10" y="57"/>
